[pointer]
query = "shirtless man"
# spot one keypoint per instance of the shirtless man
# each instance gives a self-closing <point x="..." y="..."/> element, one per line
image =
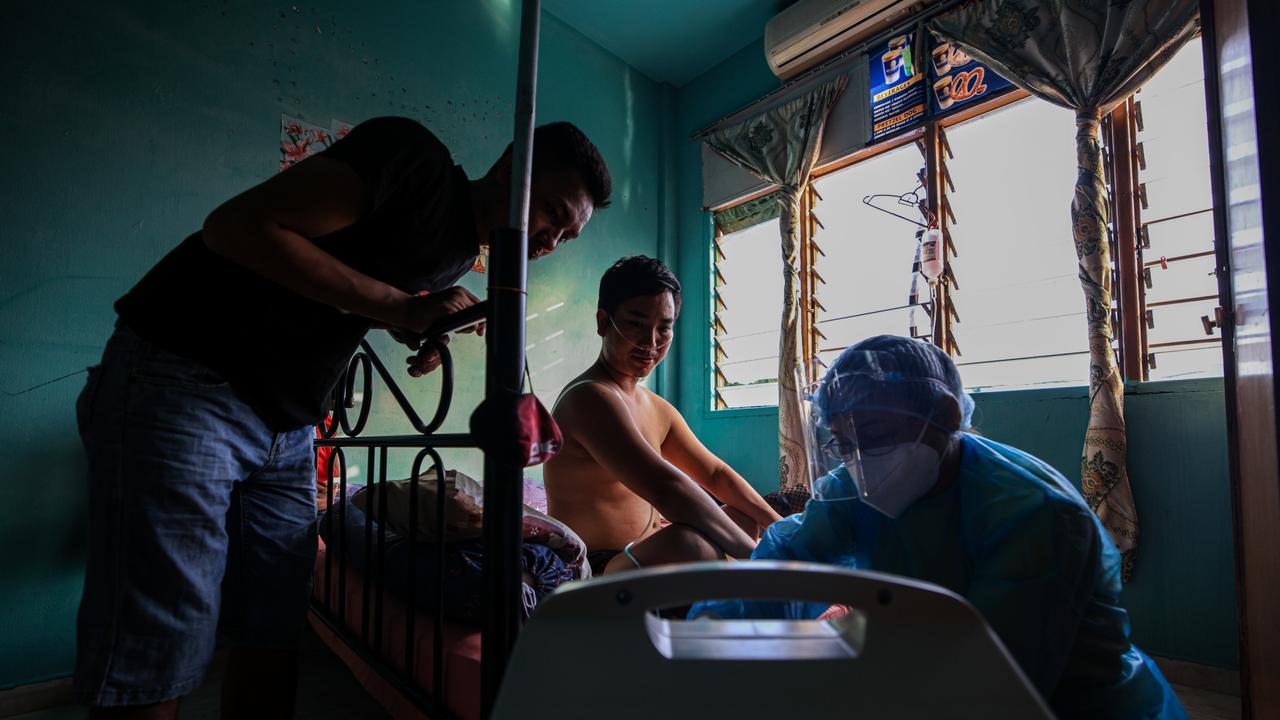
<point x="629" y="459"/>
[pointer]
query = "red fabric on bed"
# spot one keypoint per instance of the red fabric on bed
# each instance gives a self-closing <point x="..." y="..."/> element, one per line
<point x="461" y="648"/>
<point x="323" y="479"/>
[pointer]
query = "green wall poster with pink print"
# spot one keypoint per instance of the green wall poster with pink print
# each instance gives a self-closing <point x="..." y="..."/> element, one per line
<point x="300" y="139"/>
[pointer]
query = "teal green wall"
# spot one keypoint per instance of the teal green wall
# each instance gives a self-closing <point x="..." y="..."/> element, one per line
<point x="128" y="122"/>
<point x="1181" y="600"/>
<point x="746" y="439"/>
<point x="1182" y="597"/>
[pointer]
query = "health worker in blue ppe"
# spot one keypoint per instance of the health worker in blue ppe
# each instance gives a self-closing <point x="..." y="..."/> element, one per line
<point x="902" y="488"/>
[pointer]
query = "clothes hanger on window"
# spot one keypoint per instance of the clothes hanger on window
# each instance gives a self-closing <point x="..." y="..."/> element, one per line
<point x="907" y="199"/>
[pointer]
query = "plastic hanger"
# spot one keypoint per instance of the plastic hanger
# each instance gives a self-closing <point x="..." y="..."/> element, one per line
<point x="907" y="199"/>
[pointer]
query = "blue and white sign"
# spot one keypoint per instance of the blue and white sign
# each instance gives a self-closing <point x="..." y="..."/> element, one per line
<point x="955" y="79"/>
<point x="897" y="90"/>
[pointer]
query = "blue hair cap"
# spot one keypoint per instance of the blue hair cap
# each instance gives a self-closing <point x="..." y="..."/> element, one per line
<point x="894" y="374"/>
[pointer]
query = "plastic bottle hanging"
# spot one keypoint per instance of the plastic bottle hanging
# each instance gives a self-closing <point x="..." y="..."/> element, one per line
<point x="931" y="254"/>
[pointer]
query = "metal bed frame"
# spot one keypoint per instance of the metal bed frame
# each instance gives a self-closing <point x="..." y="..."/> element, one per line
<point x="504" y="313"/>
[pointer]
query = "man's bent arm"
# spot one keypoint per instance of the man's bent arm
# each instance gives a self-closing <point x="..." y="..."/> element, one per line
<point x="268" y="229"/>
<point x="686" y="452"/>
<point x="616" y="444"/>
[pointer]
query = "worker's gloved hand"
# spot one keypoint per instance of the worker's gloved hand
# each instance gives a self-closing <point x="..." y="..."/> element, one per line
<point x="420" y="312"/>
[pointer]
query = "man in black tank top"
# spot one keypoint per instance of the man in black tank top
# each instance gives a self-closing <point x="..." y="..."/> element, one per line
<point x="199" y="421"/>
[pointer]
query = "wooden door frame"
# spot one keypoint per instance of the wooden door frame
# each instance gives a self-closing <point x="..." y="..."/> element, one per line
<point x="1247" y="223"/>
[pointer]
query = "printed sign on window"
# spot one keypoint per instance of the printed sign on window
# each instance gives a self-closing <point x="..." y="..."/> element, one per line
<point x="897" y="89"/>
<point x="957" y="79"/>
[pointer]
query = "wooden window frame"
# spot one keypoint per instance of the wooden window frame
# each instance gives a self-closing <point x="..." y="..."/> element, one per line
<point x="1125" y="158"/>
<point x="930" y="137"/>
<point x="1120" y="161"/>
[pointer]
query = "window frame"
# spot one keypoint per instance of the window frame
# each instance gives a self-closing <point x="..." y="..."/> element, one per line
<point x="1130" y="309"/>
<point x="711" y="347"/>
<point x="930" y="138"/>
<point x="1124" y="159"/>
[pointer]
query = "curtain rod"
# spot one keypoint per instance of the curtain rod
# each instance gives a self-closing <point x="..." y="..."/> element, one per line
<point x="918" y="18"/>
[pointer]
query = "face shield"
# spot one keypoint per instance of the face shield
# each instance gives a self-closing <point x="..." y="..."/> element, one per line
<point x="826" y="453"/>
<point x="866" y="424"/>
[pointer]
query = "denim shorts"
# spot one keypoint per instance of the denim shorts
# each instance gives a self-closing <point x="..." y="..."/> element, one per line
<point x="200" y="519"/>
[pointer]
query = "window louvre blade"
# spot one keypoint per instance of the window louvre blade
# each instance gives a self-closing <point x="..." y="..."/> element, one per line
<point x="950" y="277"/>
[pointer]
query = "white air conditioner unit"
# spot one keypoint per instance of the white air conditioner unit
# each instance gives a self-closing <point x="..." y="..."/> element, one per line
<point x="811" y="31"/>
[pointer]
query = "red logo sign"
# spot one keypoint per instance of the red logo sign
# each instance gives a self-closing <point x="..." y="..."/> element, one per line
<point x="968" y="84"/>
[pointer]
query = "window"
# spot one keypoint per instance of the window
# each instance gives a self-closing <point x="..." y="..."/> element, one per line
<point x="1175" y="221"/>
<point x="1018" y="293"/>
<point x="863" y="259"/>
<point x="746" y="313"/>
<point x="1012" y="268"/>
<point x="1010" y="308"/>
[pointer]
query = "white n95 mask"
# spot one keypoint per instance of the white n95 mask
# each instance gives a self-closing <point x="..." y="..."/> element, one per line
<point x="890" y="481"/>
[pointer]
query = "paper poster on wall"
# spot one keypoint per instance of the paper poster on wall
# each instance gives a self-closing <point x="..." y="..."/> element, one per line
<point x="300" y="139"/>
<point x="897" y="89"/>
<point x="955" y="79"/>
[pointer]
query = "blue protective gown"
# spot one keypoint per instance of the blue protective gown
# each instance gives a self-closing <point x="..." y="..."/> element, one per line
<point x="1014" y="538"/>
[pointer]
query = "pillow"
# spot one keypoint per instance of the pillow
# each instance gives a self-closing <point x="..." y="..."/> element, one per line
<point x="463" y="506"/>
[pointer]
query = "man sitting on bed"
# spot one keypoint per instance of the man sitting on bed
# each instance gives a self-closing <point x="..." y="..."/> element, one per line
<point x="629" y="459"/>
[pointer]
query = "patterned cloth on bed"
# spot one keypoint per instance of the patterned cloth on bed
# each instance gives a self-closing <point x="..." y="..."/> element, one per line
<point x="548" y="557"/>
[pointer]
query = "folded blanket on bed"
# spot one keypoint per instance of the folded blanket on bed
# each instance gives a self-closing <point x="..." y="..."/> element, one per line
<point x="464" y="512"/>
<point x="544" y="567"/>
